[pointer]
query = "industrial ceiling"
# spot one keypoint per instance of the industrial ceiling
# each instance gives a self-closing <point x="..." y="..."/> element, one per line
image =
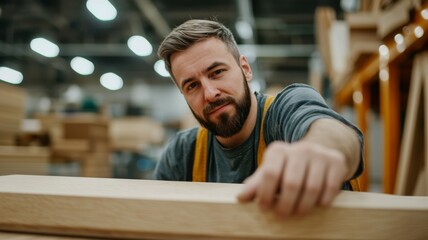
<point x="282" y="42"/>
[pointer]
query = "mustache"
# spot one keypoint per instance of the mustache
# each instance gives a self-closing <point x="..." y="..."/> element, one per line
<point x="219" y="102"/>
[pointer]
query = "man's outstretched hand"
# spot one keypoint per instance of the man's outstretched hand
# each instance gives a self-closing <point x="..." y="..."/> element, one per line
<point x="295" y="178"/>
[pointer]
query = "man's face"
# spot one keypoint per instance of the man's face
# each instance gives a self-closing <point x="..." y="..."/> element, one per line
<point x="215" y="85"/>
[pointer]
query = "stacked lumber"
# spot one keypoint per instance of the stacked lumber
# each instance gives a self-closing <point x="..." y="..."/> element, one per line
<point x="14" y="159"/>
<point x="135" y="134"/>
<point x="84" y="138"/>
<point x="24" y="160"/>
<point x="12" y="110"/>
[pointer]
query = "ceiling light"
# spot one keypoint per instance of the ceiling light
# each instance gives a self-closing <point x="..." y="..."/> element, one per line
<point x="111" y="81"/>
<point x="349" y="5"/>
<point x="424" y="13"/>
<point x="384" y="74"/>
<point x="10" y="75"/>
<point x="82" y="66"/>
<point x="160" y="68"/>
<point x="418" y="31"/>
<point x="357" y="96"/>
<point x="44" y="47"/>
<point x="399" y="39"/>
<point x="73" y="94"/>
<point x="244" y="29"/>
<point x="102" y="9"/>
<point x="383" y="50"/>
<point x="140" y="46"/>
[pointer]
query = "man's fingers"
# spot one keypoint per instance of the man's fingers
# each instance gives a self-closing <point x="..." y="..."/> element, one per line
<point x="270" y="177"/>
<point x="313" y="187"/>
<point x="291" y="187"/>
<point x="249" y="190"/>
<point x="332" y="186"/>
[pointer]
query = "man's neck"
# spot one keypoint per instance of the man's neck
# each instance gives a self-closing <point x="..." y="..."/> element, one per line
<point x="247" y="129"/>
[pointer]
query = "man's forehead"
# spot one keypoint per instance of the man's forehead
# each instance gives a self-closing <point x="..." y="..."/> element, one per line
<point x="199" y="57"/>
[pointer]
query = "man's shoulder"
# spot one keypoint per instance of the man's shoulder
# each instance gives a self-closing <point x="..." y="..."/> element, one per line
<point x="184" y="139"/>
<point x="297" y="93"/>
<point x="295" y="87"/>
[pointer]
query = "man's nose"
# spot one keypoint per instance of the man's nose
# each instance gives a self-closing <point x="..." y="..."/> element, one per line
<point x="211" y="91"/>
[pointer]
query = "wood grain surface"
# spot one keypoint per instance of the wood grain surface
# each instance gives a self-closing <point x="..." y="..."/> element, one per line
<point x="144" y="209"/>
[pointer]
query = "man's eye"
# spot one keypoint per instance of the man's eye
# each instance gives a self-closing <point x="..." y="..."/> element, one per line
<point x="191" y="86"/>
<point x="217" y="73"/>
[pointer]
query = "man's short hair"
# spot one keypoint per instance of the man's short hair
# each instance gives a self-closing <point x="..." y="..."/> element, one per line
<point x="191" y="32"/>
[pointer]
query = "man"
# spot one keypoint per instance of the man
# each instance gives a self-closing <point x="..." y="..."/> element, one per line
<point x="311" y="151"/>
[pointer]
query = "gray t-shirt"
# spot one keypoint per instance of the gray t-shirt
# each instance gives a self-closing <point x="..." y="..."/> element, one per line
<point x="287" y="119"/>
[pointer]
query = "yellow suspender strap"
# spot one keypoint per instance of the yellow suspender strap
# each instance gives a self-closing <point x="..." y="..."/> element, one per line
<point x="201" y="155"/>
<point x="355" y="183"/>
<point x="262" y="144"/>
<point x="200" y="160"/>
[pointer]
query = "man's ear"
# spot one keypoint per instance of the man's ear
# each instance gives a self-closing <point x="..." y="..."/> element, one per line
<point x="246" y="68"/>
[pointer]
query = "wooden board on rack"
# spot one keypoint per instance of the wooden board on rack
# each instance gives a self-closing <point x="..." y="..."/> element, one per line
<point x="144" y="209"/>
<point x="413" y="146"/>
<point x="394" y="18"/>
<point x="324" y="18"/>
<point x="425" y="159"/>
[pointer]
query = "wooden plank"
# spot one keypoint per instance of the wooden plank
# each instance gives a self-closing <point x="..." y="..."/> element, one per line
<point x="24" y="160"/>
<point x="135" y="133"/>
<point x="15" y="118"/>
<point x="71" y="146"/>
<point x="425" y="80"/>
<point x="27" y="236"/>
<point x="362" y="20"/>
<point x="144" y="209"/>
<point x="324" y="17"/>
<point x="376" y="6"/>
<point x="96" y="164"/>
<point x="390" y="114"/>
<point x="9" y="127"/>
<point x="11" y="101"/>
<point x="420" y="188"/>
<point x="393" y="18"/>
<point x="362" y="108"/>
<point x="18" y="151"/>
<point x="11" y="92"/>
<point x="30" y="168"/>
<point x="11" y="112"/>
<point x="412" y="144"/>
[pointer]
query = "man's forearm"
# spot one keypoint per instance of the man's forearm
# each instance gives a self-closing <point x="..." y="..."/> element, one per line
<point x="334" y="134"/>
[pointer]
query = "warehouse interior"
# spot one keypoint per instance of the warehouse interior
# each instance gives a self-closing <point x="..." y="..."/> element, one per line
<point x="99" y="103"/>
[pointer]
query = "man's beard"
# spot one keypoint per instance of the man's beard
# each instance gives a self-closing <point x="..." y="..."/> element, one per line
<point x="228" y="125"/>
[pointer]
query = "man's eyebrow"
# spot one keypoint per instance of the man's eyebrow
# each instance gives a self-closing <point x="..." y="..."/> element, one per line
<point x="214" y="65"/>
<point x="209" y="68"/>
